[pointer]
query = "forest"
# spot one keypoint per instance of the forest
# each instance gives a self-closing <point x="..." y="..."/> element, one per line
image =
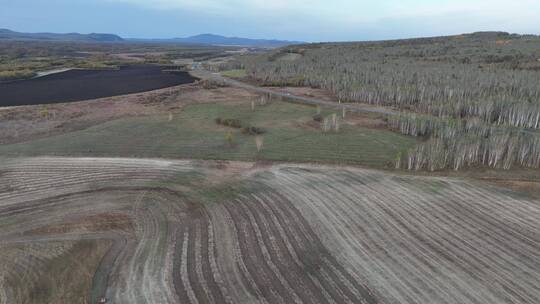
<point x="474" y="98"/>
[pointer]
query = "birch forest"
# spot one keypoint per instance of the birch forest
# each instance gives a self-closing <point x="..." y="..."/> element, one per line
<point x="474" y="99"/>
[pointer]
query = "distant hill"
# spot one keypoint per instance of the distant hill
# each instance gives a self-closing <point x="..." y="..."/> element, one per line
<point x="6" y="34"/>
<point x="211" y="39"/>
<point x="207" y="39"/>
<point x="237" y="41"/>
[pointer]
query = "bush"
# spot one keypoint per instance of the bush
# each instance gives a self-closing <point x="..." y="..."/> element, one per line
<point x="253" y="131"/>
<point x="318" y="117"/>
<point x="233" y="123"/>
<point x="229" y="122"/>
<point x="14" y="75"/>
<point x="211" y="84"/>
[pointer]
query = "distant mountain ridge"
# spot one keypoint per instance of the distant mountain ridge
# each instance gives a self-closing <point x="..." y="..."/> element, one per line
<point x="234" y="41"/>
<point x="206" y="39"/>
<point x="6" y="34"/>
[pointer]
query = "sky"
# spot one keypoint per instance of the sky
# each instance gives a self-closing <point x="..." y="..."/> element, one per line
<point x="303" y="20"/>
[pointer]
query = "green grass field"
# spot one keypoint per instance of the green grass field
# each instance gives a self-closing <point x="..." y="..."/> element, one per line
<point x="234" y="73"/>
<point x="291" y="135"/>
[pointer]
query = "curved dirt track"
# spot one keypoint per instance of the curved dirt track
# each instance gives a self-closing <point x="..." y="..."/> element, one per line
<point x="189" y="232"/>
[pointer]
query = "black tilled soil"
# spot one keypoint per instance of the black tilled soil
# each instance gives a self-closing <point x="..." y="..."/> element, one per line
<point x="76" y="85"/>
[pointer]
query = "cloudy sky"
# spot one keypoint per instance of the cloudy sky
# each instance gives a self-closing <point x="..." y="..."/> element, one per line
<point x="315" y="20"/>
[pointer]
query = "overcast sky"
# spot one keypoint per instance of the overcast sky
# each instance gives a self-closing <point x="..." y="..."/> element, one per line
<point x="316" y="20"/>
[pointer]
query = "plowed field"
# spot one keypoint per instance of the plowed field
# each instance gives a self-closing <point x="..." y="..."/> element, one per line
<point x="76" y="85"/>
<point x="158" y="231"/>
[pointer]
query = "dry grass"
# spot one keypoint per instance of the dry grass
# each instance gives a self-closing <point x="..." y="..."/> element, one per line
<point x="26" y="123"/>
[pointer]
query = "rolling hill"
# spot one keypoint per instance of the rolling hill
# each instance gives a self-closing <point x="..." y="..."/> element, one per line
<point x="237" y="41"/>
<point x="6" y="34"/>
<point x="204" y="39"/>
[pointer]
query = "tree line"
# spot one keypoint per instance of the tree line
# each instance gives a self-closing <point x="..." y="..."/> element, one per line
<point x="472" y="110"/>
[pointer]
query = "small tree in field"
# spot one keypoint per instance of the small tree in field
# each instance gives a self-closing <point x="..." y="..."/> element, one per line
<point x="259" y="142"/>
<point x="264" y="99"/>
<point x="229" y="137"/>
<point x="44" y="113"/>
<point x="326" y="125"/>
<point x="398" y="160"/>
<point x="331" y="123"/>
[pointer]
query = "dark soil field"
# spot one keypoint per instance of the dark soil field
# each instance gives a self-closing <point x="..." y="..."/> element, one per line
<point x="78" y="85"/>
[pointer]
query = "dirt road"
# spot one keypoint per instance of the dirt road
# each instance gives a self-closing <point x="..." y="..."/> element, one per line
<point x="357" y="108"/>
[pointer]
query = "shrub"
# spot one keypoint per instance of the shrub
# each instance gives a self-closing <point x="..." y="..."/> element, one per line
<point x="233" y="123"/>
<point x="229" y="122"/>
<point x="253" y="131"/>
<point x="318" y="117"/>
<point x="211" y="84"/>
<point x="14" y="75"/>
